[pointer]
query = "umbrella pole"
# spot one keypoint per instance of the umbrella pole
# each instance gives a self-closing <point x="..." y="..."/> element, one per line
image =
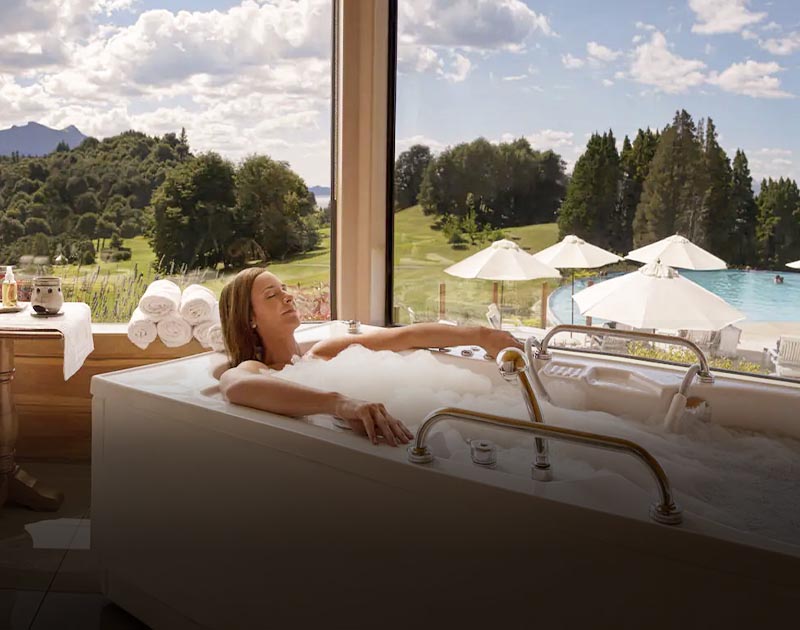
<point x="571" y="302"/>
<point x="501" y="305"/>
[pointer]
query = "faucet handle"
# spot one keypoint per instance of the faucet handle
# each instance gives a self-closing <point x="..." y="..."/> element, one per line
<point x="511" y="361"/>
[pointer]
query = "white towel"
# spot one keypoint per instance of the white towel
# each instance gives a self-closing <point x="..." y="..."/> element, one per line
<point x="201" y="330"/>
<point x="174" y="331"/>
<point x="197" y="304"/>
<point x="215" y="338"/>
<point x="160" y="299"/>
<point x="141" y="329"/>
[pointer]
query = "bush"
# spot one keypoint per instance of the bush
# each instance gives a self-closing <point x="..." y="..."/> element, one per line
<point x="122" y="254"/>
<point x="87" y="257"/>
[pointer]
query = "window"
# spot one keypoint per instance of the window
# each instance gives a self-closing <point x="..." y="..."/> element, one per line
<point x="166" y="139"/>
<point x="530" y="121"/>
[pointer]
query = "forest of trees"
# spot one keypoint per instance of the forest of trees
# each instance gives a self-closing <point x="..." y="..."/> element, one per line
<point x="680" y="180"/>
<point x="675" y="180"/>
<point x="195" y="209"/>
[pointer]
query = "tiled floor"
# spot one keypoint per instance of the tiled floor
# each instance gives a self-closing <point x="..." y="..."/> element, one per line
<point x="48" y="577"/>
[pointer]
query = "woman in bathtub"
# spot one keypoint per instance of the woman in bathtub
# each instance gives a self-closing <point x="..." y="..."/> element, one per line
<point x="258" y="321"/>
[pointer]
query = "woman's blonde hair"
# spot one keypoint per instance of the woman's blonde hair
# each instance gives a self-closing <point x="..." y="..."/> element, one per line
<point x="235" y="311"/>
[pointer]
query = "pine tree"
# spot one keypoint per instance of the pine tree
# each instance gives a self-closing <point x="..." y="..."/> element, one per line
<point x="719" y="215"/>
<point x="673" y="192"/>
<point x="634" y="166"/>
<point x="745" y="211"/>
<point x="590" y="205"/>
<point x="778" y="229"/>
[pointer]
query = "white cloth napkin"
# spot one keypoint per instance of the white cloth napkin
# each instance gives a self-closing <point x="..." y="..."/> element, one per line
<point x="197" y="304"/>
<point x="75" y="325"/>
<point x="174" y="331"/>
<point x="160" y="299"/>
<point x="201" y="330"/>
<point x="142" y="330"/>
<point x="215" y="338"/>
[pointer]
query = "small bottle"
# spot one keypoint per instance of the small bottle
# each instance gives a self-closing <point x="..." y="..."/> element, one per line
<point x="9" y="289"/>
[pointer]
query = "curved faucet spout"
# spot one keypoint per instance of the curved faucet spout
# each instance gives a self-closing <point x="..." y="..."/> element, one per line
<point x="704" y="374"/>
<point x="514" y="365"/>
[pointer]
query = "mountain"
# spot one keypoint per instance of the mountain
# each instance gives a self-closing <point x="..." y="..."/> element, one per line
<point x="36" y="139"/>
<point x="324" y="191"/>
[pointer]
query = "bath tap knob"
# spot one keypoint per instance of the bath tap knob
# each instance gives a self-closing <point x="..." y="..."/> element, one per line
<point x="483" y="452"/>
<point x="511" y="362"/>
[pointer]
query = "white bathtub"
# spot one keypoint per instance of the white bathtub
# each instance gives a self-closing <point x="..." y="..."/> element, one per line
<point x="209" y="515"/>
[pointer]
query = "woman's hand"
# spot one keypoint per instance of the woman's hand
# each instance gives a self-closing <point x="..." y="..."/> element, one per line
<point x="493" y="341"/>
<point x="372" y="419"/>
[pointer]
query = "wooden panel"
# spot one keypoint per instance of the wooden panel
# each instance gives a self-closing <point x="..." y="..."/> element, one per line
<point x="54" y="415"/>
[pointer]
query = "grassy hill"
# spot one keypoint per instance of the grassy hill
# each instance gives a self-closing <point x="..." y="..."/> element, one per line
<point x="421" y="255"/>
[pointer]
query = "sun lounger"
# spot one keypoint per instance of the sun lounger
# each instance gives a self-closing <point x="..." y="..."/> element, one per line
<point x="787" y="356"/>
<point x="727" y="342"/>
<point x="493" y="316"/>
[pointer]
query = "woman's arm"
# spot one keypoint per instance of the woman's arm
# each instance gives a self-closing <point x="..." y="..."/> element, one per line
<point x="419" y="336"/>
<point x="245" y="385"/>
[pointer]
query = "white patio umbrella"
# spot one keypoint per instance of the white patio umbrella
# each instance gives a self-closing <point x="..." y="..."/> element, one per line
<point x="574" y="253"/>
<point x="657" y="296"/>
<point x="678" y="251"/>
<point x="502" y="260"/>
<point x="794" y="265"/>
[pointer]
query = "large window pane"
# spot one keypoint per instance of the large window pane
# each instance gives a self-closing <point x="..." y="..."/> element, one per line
<point x="166" y="139"/>
<point x="530" y="121"/>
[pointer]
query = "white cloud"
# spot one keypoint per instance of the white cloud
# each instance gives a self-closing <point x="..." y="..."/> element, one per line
<point x="645" y="27"/>
<point x="515" y="77"/>
<point x="654" y="64"/>
<point x="601" y="53"/>
<point x="252" y="78"/>
<point x="460" y="68"/>
<point x="636" y="39"/>
<point x="722" y="16"/>
<point x="461" y="28"/>
<point x="572" y="62"/>
<point x="751" y="78"/>
<point x="772" y="162"/>
<point x="772" y="26"/>
<point x="434" y="145"/>
<point x="783" y="45"/>
<point x="470" y="24"/>
<point x="607" y="82"/>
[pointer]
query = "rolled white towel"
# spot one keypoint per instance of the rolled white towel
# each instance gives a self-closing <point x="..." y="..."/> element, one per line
<point x="215" y="338"/>
<point x="141" y="329"/>
<point x="198" y="304"/>
<point x="174" y="331"/>
<point x="160" y="299"/>
<point x="201" y="330"/>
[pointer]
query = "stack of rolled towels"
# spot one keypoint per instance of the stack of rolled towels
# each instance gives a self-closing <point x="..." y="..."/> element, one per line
<point x="176" y="317"/>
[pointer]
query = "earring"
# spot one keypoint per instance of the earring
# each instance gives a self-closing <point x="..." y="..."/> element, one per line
<point x="253" y="326"/>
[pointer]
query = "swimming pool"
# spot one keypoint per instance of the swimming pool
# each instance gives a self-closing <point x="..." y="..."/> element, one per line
<point x="752" y="292"/>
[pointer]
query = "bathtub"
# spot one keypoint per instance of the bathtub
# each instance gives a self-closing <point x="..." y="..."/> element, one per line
<point x="211" y="515"/>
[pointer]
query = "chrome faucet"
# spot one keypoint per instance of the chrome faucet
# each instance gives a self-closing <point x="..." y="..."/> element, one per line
<point x="703" y="374"/>
<point x="514" y="366"/>
<point x="664" y="511"/>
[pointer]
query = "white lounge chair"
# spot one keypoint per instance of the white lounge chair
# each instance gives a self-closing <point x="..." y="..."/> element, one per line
<point x="728" y="342"/>
<point x="493" y="316"/>
<point x="703" y="339"/>
<point x="787" y="356"/>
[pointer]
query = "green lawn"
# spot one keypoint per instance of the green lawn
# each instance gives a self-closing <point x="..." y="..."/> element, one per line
<point x="421" y="254"/>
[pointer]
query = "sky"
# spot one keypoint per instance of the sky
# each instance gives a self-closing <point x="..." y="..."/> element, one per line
<point x="245" y="76"/>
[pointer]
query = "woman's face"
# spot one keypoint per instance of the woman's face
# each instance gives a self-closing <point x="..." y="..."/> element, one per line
<point x="273" y="307"/>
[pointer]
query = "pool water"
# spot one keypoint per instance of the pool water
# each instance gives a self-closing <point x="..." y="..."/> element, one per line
<point x="752" y="292"/>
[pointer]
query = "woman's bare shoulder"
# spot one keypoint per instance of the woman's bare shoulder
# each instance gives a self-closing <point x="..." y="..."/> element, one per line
<point x="221" y="364"/>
